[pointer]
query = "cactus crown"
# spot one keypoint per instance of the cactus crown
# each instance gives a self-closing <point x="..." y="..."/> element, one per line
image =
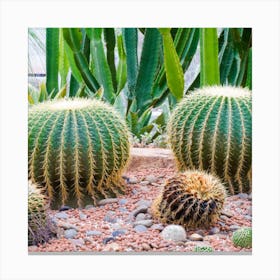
<point x="77" y="149"/>
<point x="242" y="238"/>
<point x="211" y="129"/>
<point x="191" y="199"/>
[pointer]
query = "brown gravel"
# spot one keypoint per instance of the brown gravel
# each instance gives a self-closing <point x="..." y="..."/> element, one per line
<point x="150" y="240"/>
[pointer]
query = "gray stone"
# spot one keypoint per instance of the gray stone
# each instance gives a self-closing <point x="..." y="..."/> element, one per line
<point x="107" y="239"/>
<point x="134" y="191"/>
<point x="243" y="195"/>
<point x="174" y="233"/>
<point x="133" y="180"/>
<point x="234" y="227"/>
<point x="107" y="201"/>
<point x="227" y="213"/>
<point x="82" y="216"/>
<point x="65" y="208"/>
<point x="249" y="210"/>
<point x="250" y="196"/>
<point x="78" y="242"/>
<point x="70" y="233"/>
<point x="221" y="224"/>
<point x="140" y="228"/>
<point x="67" y="226"/>
<point x="248" y="217"/>
<point x="122" y="201"/>
<point x="61" y="215"/>
<point x="196" y="237"/>
<point x="146" y="223"/>
<point x="93" y="233"/>
<point x="144" y="202"/>
<point x="200" y="232"/>
<point x="140" y="217"/>
<point x="239" y="203"/>
<point x="144" y="189"/>
<point x="123" y="209"/>
<point x="118" y="232"/>
<point x="89" y="206"/>
<point x="144" y="183"/>
<point x="151" y="178"/>
<point x="140" y="209"/>
<point x="223" y="217"/>
<point x="110" y="219"/>
<point x="214" y="230"/>
<point x="159" y="227"/>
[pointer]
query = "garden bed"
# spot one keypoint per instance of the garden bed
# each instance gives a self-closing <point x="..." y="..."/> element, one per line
<point x="125" y="224"/>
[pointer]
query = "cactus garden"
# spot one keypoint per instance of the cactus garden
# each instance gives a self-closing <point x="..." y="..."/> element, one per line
<point x="140" y="140"/>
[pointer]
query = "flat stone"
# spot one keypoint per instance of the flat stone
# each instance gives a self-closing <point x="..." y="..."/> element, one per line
<point x="250" y="196"/>
<point x="107" y="201"/>
<point x="243" y="195"/>
<point x="200" y="232"/>
<point x="234" y="227"/>
<point x="140" y="228"/>
<point x="67" y="226"/>
<point x="65" y="208"/>
<point x="122" y="201"/>
<point x="134" y="191"/>
<point x="89" y="206"/>
<point x="214" y="230"/>
<point x="223" y="217"/>
<point x="144" y="202"/>
<point x="70" y="233"/>
<point x="144" y="189"/>
<point x="82" y="216"/>
<point x="248" y="217"/>
<point x="196" y="237"/>
<point x="107" y="239"/>
<point x="78" y="242"/>
<point x="151" y="178"/>
<point x="144" y="183"/>
<point x="93" y="233"/>
<point x="140" y="217"/>
<point x="140" y="209"/>
<point x="133" y="180"/>
<point x="159" y="227"/>
<point x="118" y="232"/>
<point x="146" y="246"/>
<point x="227" y="213"/>
<point x="112" y="247"/>
<point x="221" y="224"/>
<point x="123" y="209"/>
<point x="110" y="219"/>
<point x="146" y="223"/>
<point x="249" y="210"/>
<point x="174" y="233"/>
<point x="61" y="215"/>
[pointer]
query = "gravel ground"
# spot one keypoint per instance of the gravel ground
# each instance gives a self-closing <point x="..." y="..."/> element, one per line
<point x="125" y="224"/>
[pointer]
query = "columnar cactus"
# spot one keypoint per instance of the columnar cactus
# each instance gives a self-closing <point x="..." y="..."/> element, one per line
<point x="38" y="225"/>
<point x="191" y="199"/>
<point x="242" y="238"/>
<point x="211" y="130"/>
<point x="77" y="150"/>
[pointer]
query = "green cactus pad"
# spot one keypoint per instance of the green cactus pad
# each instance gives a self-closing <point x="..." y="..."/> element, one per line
<point x="200" y="248"/>
<point x="77" y="149"/>
<point x="242" y="238"/>
<point x="211" y="130"/>
<point x="192" y="199"/>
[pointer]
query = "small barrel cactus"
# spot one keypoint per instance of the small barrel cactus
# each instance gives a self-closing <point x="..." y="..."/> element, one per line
<point x="211" y="130"/>
<point x="191" y="199"/>
<point x="242" y="238"/>
<point x="39" y="230"/>
<point x="77" y="149"/>
<point x="200" y="248"/>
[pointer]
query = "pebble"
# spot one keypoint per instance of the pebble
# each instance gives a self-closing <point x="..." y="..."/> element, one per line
<point x="146" y="223"/>
<point x="250" y="210"/>
<point x="221" y="224"/>
<point x="234" y="227"/>
<point x="134" y="191"/>
<point x="83" y="216"/>
<point x="196" y="237"/>
<point x="248" y="217"/>
<point x="89" y="206"/>
<point x="140" y="217"/>
<point x="110" y="219"/>
<point x="123" y="209"/>
<point x="146" y="246"/>
<point x="70" y="233"/>
<point x="144" y="189"/>
<point x="239" y="203"/>
<point x="174" y="233"/>
<point x="107" y="201"/>
<point x="93" y="233"/>
<point x="116" y="226"/>
<point x="200" y="232"/>
<point x="61" y="215"/>
<point x="140" y="228"/>
<point x="78" y="242"/>
<point x="133" y="180"/>
<point x="159" y="227"/>
<point x="243" y="195"/>
<point x="144" y="202"/>
<point x="112" y="247"/>
<point x="214" y="230"/>
<point x="65" y="208"/>
<point x="151" y="178"/>
<point x="227" y="213"/>
<point x="122" y="201"/>
<point x="223" y="217"/>
<point x="250" y="196"/>
<point x="107" y="239"/>
<point x="140" y="209"/>
<point x="68" y="226"/>
<point x="118" y="232"/>
<point x="144" y="183"/>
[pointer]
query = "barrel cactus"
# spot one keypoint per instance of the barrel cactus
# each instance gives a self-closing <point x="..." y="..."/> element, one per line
<point x="242" y="238"/>
<point x="77" y="150"/>
<point x="211" y="130"/>
<point x="192" y="199"/>
<point x="39" y="229"/>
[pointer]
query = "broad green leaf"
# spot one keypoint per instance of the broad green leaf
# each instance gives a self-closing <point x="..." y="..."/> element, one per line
<point x="63" y="60"/>
<point x="43" y="94"/>
<point x="122" y="66"/>
<point x="130" y="44"/>
<point x="209" y="62"/>
<point x="173" y="68"/>
<point x="120" y="104"/>
<point x="52" y="54"/>
<point x="249" y="71"/>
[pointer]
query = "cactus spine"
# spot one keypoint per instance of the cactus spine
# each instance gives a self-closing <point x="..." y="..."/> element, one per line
<point x="38" y="225"/>
<point x="77" y="150"/>
<point x="191" y="199"/>
<point x="211" y="129"/>
<point x="242" y="238"/>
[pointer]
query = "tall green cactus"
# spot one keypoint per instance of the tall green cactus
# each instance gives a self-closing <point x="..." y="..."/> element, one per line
<point x="211" y="129"/>
<point x="77" y="150"/>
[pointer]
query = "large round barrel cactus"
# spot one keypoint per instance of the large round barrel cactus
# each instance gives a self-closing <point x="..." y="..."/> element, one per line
<point x="77" y="150"/>
<point x="211" y="129"/>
